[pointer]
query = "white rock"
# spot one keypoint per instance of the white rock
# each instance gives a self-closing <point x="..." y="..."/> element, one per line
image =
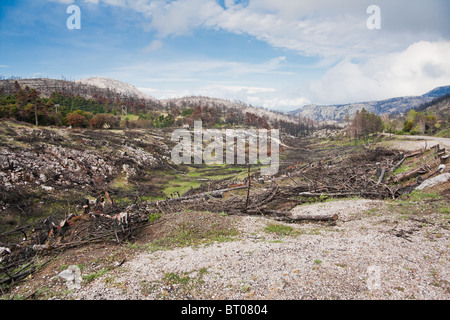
<point x="72" y="275"/>
<point x="434" y="181"/>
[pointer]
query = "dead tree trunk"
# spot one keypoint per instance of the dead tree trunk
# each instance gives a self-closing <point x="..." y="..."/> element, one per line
<point x="398" y="165"/>
<point x="288" y="216"/>
<point x="380" y="179"/>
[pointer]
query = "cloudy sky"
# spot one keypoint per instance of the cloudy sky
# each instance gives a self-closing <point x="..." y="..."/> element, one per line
<point x="279" y="54"/>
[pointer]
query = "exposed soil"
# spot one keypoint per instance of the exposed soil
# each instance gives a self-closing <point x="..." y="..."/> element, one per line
<point x="376" y="250"/>
<point x="217" y="248"/>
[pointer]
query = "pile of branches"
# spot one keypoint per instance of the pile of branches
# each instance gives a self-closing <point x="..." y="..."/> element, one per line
<point x="361" y="175"/>
<point x="100" y="221"/>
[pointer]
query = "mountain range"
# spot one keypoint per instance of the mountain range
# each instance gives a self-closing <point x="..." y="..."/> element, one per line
<point x="389" y="106"/>
<point x="115" y="88"/>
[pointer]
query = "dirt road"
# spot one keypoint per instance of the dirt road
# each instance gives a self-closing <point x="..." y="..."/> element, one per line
<point x="410" y="143"/>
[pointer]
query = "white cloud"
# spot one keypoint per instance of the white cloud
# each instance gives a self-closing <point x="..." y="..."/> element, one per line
<point x="63" y="1"/>
<point x="421" y="67"/>
<point x="277" y="103"/>
<point x="178" y="17"/>
<point x="154" y="46"/>
<point x="405" y="57"/>
<point x="320" y="28"/>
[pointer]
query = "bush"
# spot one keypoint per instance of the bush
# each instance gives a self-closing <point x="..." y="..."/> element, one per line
<point x="187" y="112"/>
<point x="408" y="126"/>
<point x="104" y="121"/>
<point x="76" y="120"/>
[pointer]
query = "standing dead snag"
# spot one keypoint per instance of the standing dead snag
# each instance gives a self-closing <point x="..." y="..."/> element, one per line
<point x="248" y="187"/>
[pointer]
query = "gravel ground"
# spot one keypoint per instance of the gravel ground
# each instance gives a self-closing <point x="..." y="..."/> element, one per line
<point x="370" y="253"/>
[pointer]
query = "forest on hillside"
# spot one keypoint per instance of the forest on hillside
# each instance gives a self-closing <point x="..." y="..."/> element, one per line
<point x="67" y="108"/>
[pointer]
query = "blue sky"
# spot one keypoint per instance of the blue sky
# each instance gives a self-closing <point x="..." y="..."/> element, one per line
<point x="279" y="54"/>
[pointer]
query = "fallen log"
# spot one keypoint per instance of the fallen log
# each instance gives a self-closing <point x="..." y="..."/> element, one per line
<point x="216" y="193"/>
<point x="380" y="179"/>
<point x="397" y="165"/>
<point x="411" y="174"/>
<point x="320" y="194"/>
<point x="414" y="153"/>
<point x="288" y="216"/>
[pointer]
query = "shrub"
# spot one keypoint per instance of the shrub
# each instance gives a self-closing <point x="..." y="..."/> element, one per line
<point x="104" y="121"/>
<point x="76" y="120"/>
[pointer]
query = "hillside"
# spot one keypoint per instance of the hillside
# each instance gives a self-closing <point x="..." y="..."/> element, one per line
<point x="389" y="106"/>
<point x="112" y="94"/>
<point x="438" y="92"/>
<point x="115" y="86"/>
<point x="227" y="106"/>
<point x="439" y="106"/>
<point x="88" y="88"/>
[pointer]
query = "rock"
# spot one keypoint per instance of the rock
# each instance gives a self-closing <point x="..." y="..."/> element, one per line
<point x="72" y="275"/>
<point x="434" y="181"/>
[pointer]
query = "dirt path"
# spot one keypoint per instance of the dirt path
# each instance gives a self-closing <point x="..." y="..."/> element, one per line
<point x="411" y="143"/>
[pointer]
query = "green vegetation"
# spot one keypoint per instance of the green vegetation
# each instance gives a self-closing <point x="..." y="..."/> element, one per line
<point x="280" y="229"/>
<point x="188" y="234"/>
<point x="173" y="278"/>
<point x="92" y="276"/>
<point x="154" y="217"/>
<point x="418" y="195"/>
<point x="196" y="176"/>
<point x="419" y="123"/>
<point x="184" y="283"/>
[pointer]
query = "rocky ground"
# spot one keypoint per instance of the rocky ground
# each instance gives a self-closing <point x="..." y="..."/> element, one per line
<point x="376" y="250"/>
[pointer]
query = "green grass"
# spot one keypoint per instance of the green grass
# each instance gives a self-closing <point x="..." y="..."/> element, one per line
<point x="121" y="182"/>
<point x="187" y="235"/>
<point x="445" y="209"/>
<point x="401" y="169"/>
<point x="444" y="133"/>
<point x="418" y="195"/>
<point x="92" y="276"/>
<point x="154" y="217"/>
<point x="129" y="117"/>
<point x="173" y="279"/>
<point x="196" y="176"/>
<point x="280" y="230"/>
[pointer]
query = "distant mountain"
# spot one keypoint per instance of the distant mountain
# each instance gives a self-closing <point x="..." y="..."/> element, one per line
<point x="438" y="92"/>
<point x="115" y="85"/>
<point x="229" y="106"/>
<point x="389" y="106"/>
<point x="87" y="88"/>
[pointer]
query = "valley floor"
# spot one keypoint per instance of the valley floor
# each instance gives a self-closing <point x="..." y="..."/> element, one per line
<point x="376" y="250"/>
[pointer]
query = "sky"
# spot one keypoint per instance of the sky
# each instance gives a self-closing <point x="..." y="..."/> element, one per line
<point x="277" y="54"/>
